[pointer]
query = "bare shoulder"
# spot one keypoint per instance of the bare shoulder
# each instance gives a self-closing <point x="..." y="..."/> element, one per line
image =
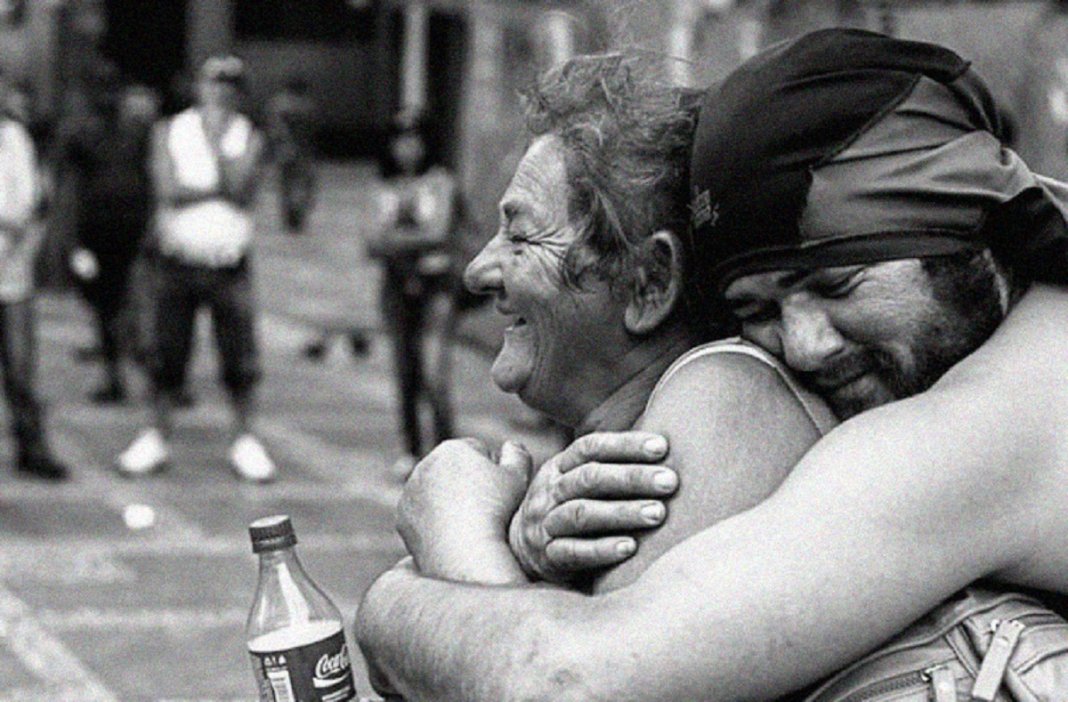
<point x="989" y="436"/>
<point x="1015" y="387"/>
<point x="732" y="381"/>
<point x="1030" y="345"/>
<point x="736" y="427"/>
<point x="16" y="133"/>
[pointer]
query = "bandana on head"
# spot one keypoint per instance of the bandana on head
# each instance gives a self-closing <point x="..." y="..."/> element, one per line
<point x="846" y="147"/>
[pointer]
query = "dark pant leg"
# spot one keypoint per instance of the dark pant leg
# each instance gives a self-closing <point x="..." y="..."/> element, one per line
<point x="298" y="190"/>
<point x="175" y="309"/>
<point x="114" y="309"/>
<point x="438" y="387"/>
<point x="18" y="356"/>
<point x="110" y="309"/>
<point x="403" y="316"/>
<point x="413" y="372"/>
<point x="233" y="317"/>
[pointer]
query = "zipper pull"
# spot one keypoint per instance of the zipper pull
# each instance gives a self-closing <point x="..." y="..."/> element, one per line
<point x="996" y="660"/>
<point x="943" y="682"/>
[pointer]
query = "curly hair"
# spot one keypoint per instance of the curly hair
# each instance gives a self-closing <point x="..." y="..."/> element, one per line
<point x="627" y="134"/>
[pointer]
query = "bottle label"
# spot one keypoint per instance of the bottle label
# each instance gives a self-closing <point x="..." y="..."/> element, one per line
<point x="318" y="672"/>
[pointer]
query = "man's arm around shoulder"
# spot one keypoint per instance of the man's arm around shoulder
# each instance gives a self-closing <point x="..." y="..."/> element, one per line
<point x="552" y="644"/>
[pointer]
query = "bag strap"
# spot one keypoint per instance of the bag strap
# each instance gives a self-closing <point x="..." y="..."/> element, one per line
<point x="996" y="661"/>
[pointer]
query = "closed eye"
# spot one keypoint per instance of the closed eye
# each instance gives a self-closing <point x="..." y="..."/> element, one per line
<point x="835" y="282"/>
<point x="756" y="313"/>
<point x="835" y="288"/>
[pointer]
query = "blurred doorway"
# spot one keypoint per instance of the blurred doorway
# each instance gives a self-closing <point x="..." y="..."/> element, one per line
<point x="446" y="63"/>
<point x="147" y="40"/>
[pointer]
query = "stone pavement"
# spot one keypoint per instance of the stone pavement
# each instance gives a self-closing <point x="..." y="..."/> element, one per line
<point x="92" y="609"/>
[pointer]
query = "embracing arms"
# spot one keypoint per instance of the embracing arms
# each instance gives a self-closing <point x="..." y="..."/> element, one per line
<point x="731" y="399"/>
<point x="887" y="516"/>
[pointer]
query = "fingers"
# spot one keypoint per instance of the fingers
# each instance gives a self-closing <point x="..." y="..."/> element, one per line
<point x="577" y="555"/>
<point x="514" y="456"/>
<point x="584" y="517"/>
<point x="609" y="480"/>
<point x="477" y="444"/>
<point x="639" y="446"/>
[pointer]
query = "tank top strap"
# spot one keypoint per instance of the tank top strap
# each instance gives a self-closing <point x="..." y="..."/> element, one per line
<point x="814" y="408"/>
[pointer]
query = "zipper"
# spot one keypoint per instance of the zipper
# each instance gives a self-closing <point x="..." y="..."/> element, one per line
<point x="943" y="682"/>
<point x="1030" y="619"/>
<point x="935" y="677"/>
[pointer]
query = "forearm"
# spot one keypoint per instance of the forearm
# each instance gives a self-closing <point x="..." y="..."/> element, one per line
<point x="441" y="641"/>
<point x="239" y="182"/>
<point x="463" y="557"/>
<point x="830" y="566"/>
<point x="240" y="176"/>
<point x="13" y="228"/>
<point x="175" y="195"/>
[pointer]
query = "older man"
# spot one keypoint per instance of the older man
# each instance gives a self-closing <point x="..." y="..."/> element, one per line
<point x="890" y="513"/>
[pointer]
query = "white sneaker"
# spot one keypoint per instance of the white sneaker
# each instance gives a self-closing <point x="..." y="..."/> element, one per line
<point x="249" y="460"/>
<point x="146" y="455"/>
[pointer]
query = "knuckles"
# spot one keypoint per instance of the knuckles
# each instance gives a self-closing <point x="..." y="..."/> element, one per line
<point x="580" y="516"/>
<point x="635" y="479"/>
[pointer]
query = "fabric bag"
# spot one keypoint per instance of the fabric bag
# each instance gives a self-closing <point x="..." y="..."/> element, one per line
<point x="982" y="645"/>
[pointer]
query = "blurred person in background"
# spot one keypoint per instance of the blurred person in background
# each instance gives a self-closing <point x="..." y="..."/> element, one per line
<point x="63" y="178"/>
<point x="20" y="238"/>
<point x="111" y="152"/>
<point x="291" y="120"/>
<point x="422" y="220"/>
<point x="206" y="165"/>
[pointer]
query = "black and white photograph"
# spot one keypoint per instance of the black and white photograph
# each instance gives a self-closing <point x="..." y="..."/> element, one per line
<point x="534" y="350"/>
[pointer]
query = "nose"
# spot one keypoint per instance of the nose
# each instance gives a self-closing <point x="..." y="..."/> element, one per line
<point x="483" y="274"/>
<point x="808" y="336"/>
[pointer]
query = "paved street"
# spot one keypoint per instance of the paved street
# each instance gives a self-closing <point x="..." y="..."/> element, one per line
<point x="91" y="609"/>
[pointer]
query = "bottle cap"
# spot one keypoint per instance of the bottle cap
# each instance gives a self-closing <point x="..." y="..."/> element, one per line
<point x="272" y="533"/>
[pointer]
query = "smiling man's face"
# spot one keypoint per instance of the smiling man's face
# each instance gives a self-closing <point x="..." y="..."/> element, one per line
<point x="859" y="336"/>
<point x="563" y="342"/>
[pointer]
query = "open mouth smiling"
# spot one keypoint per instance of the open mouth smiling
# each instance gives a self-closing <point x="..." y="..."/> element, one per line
<point x="517" y="320"/>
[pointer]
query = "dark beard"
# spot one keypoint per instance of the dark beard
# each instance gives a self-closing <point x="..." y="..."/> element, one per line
<point x="965" y="289"/>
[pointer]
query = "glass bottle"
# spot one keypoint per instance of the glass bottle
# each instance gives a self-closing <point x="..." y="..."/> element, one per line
<point x="295" y="633"/>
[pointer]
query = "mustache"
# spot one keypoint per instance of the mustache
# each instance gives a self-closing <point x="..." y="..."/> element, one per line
<point x="843" y="370"/>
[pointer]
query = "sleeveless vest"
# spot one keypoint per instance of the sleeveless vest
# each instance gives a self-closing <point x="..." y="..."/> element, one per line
<point x="215" y="233"/>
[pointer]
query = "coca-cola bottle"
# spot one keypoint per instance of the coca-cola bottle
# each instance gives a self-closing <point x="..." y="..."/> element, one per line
<point x="295" y="633"/>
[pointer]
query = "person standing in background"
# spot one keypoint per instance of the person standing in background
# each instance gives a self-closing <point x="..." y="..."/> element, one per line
<point x="422" y="214"/>
<point x="291" y="117"/>
<point x="20" y="238"/>
<point x="111" y="151"/>
<point x="206" y="165"/>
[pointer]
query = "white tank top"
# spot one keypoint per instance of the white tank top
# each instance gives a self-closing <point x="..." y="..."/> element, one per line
<point x="216" y="232"/>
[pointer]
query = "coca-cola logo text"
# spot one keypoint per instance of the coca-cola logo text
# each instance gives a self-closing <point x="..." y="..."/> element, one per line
<point x="332" y="666"/>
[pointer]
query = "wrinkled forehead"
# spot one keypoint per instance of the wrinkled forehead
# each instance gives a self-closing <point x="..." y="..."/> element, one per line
<point x="539" y="188"/>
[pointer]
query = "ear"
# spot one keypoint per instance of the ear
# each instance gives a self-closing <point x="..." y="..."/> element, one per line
<point x="658" y="289"/>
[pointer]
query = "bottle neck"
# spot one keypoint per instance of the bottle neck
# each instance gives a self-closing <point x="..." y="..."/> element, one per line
<point x="282" y="568"/>
<point x="280" y="557"/>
